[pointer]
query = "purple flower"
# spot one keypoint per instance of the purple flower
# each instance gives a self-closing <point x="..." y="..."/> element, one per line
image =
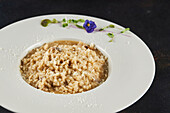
<point x="89" y="26"/>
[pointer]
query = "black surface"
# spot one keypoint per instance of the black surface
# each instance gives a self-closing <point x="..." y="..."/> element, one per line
<point x="149" y="19"/>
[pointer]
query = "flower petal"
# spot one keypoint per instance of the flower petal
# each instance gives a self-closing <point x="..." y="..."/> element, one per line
<point x="90" y="28"/>
<point x="85" y="23"/>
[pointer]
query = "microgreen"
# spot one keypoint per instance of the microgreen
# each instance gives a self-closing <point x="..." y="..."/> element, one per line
<point x="65" y="24"/>
<point x="54" y="21"/>
<point x="81" y="20"/>
<point x="79" y="26"/>
<point x="45" y="22"/>
<point x="109" y="26"/>
<point x="88" y="25"/>
<point x="126" y="29"/>
<point x="64" y="20"/>
<point x="111" y="40"/>
<point x="111" y="35"/>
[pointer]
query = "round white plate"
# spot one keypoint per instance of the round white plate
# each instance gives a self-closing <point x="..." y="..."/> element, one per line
<point x="132" y="68"/>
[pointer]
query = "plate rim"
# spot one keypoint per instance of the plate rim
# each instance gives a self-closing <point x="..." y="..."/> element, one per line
<point x="101" y="19"/>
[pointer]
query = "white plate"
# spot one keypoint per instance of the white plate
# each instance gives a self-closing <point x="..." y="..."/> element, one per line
<point x="132" y="68"/>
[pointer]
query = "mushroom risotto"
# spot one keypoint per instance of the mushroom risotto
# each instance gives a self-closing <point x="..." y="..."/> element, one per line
<point x="64" y="67"/>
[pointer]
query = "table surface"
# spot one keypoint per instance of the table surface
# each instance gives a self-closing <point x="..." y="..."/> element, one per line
<point x="149" y="19"/>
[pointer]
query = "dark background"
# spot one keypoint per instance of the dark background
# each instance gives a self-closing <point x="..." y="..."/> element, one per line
<point x="149" y="19"/>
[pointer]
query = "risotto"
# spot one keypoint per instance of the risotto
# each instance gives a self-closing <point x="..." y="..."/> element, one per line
<point x="64" y="67"/>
